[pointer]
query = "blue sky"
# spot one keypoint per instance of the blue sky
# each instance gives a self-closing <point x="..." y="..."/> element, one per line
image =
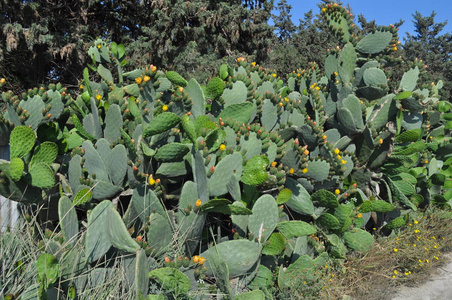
<point x="384" y="12"/>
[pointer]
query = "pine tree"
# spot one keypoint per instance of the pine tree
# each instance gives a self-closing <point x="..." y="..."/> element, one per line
<point x="434" y="48"/>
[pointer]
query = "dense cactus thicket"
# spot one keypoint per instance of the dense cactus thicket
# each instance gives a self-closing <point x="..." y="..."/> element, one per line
<point x="237" y="187"/>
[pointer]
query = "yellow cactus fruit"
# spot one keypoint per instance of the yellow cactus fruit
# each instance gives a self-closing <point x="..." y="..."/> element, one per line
<point x="343" y="162"/>
<point x="253" y="63"/>
<point x="274" y="75"/>
<point x="305" y="170"/>
<point x="222" y="147"/>
<point x="201" y="261"/>
<point x="336" y="151"/>
<point x="274" y="164"/>
<point x="98" y="97"/>
<point x="81" y="86"/>
<point x="337" y="191"/>
<point x="153" y="68"/>
<point x="324" y="137"/>
<point x="394" y="48"/>
<point x="380" y="141"/>
<point x="138" y="80"/>
<point x="306" y="152"/>
<point x="165" y="107"/>
<point x="198" y="203"/>
<point x="240" y="59"/>
<point x="99" y="46"/>
<point x="291" y="171"/>
<point x="151" y="180"/>
<point x="195" y="259"/>
<point x="181" y="89"/>
<point x="146" y="78"/>
<point x="324" y="9"/>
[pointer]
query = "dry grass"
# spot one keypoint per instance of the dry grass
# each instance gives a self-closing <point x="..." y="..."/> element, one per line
<point x="407" y="258"/>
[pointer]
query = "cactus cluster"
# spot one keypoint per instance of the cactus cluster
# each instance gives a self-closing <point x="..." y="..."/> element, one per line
<point x="300" y="165"/>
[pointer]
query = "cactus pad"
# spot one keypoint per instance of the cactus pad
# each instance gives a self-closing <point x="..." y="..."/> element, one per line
<point x="22" y="140"/>
<point x="358" y="240"/>
<point x="239" y="255"/>
<point x="176" y="79"/>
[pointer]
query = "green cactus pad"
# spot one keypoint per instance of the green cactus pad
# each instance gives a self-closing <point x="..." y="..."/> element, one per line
<point x="336" y="246"/>
<point x="292" y="229"/>
<point x="214" y="139"/>
<point x="144" y="201"/>
<point x="408" y="136"/>
<point x="325" y="198"/>
<point x="16" y="168"/>
<point x="97" y="242"/>
<point x="161" y="123"/>
<point x="117" y="164"/>
<point x="81" y="129"/>
<point x="22" y="140"/>
<point x="275" y="244"/>
<point x="117" y="232"/>
<point x="300" y="201"/>
<point x="42" y="176"/>
<point x="82" y="196"/>
<point x="382" y="206"/>
<point x="160" y="234"/>
<point x="395" y="223"/>
<point x="342" y="214"/>
<point x="236" y="95"/>
<point x="409" y="80"/>
<point x="176" y="79"/>
<point x="241" y="112"/>
<point x="113" y="123"/>
<point x="241" y="221"/>
<point x="94" y="162"/>
<point x="172" y="280"/>
<point x="195" y="92"/>
<point x="189" y="128"/>
<point x="328" y="221"/>
<point x="399" y="195"/>
<point x="264" y="218"/>
<point x="383" y="111"/>
<point x="374" y="42"/>
<point x="105" y="189"/>
<point x="229" y="166"/>
<point x="68" y="219"/>
<point x="35" y="106"/>
<point x="239" y="255"/>
<point x="347" y="62"/>
<point x="45" y="153"/>
<point x="171" y="152"/>
<point x="215" y="87"/>
<point x="254" y="172"/>
<point x="358" y="240"/>
<point x="303" y="269"/>
<point x="283" y="196"/>
<point x="350" y="115"/>
<point x="318" y="170"/>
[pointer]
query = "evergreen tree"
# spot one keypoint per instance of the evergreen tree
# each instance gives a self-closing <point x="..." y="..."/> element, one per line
<point x="47" y="40"/>
<point x="434" y="48"/>
<point x="193" y="37"/>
